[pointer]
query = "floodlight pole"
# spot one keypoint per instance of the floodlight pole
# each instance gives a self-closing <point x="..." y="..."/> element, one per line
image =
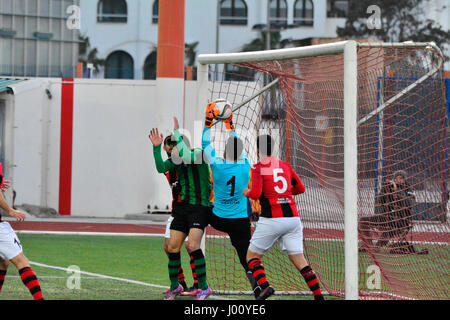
<point x="351" y="170"/>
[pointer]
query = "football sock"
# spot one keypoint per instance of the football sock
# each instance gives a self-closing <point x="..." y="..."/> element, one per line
<point x="312" y="282"/>
<point x="181" y="277"/>
<point x="258" y="273"/>
<point x="2" y="278"/>
<point x="30" y="280"/>
<point x="200" y="268"/>
<point x="174" y="269"/>
<point x="194" y="273"/>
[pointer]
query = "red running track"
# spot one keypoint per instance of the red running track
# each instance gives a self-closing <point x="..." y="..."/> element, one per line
<point x="160" y="229"/>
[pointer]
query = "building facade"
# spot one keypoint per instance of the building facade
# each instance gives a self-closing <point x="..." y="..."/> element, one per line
<point x="125" y="32"/>
<point x="37" y="38"/>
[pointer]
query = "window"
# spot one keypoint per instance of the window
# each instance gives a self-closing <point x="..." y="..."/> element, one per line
<point x="119" y="65"/>
<point x="155" y="11"/>
<point x="150" y="66"/>
<point x="304" y="13"/>
<point x="112" y="11"/>
<point x="278" y="13"/>
<point x="233" y="12"/>
<point x="337" y="8"/>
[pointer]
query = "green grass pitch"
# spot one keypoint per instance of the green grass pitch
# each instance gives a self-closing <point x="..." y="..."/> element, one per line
<point x="138" y="259"/>
<point x="135" y="268"/>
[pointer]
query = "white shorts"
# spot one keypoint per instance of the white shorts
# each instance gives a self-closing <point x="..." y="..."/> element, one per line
<point x="167" y="234"/>
<point x="10" y="246"/>
<point x="287" y="231"/>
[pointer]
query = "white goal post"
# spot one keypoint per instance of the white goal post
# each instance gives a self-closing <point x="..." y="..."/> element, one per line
<point x="349" y="49"/>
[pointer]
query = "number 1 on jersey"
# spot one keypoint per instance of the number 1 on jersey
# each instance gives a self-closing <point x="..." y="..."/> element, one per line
<point x="232" y="181"/>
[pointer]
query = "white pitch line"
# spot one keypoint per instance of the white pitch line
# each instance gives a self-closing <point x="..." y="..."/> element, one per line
<point x="102" y="276"/>
<point x="85" y="233"/>
<point x="99" y="275"/>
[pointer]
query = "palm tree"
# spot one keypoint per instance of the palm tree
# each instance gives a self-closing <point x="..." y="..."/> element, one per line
<point x="190" y="54"/>
<point x="89" y="55"/>
<point x="259" y="43"/>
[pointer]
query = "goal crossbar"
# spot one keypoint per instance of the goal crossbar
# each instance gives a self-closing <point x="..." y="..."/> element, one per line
<point x="302" y="52"/>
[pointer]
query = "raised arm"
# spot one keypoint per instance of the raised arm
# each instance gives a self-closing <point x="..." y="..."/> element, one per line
<point x="188" y="156"/>
<point x="157" y="139"/>
<point x="207" y="147"/>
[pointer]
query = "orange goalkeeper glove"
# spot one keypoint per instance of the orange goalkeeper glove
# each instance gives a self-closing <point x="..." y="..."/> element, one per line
<point x="229" y="123"/>
<point x="211" y="113"/>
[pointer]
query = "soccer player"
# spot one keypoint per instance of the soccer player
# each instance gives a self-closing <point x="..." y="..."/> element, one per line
<point x="11" y="249"/>
<point x="190" y="217"/>
<point x="230" y="213"/>
<point x="274" y="183"/>
<point x="172" y="178"/>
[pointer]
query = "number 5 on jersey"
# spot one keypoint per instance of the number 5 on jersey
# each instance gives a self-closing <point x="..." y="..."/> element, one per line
<point x="277" y="176"/>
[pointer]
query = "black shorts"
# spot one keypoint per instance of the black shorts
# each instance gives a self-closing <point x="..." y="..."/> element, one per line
<point x="240" y="226"/>
<point x="239" y="231"/>
<point x="187" y="216"/>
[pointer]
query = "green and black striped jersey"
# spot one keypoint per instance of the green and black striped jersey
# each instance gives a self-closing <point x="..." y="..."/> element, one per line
<point x="193" y="173"/>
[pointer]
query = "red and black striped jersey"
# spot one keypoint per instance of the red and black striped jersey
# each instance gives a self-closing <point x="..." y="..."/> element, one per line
<point x="274" y="183"/>
<point x="172" y="178"/>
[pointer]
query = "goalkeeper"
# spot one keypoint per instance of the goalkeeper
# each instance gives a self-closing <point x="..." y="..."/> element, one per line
<point x="231" y="175"/>
<point x="190" y="216"/>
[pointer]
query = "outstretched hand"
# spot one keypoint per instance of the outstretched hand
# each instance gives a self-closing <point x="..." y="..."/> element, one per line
<point x="155" y="137"/>
<point x="211" y="114"/>
<point x="176" y="125"/>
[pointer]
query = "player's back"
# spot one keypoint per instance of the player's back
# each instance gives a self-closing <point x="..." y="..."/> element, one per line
<point x="229" y="181"/>
<point x="274" y="182"/>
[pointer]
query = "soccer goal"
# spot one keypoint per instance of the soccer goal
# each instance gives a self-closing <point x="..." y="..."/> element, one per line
<point x="346" y="115"/>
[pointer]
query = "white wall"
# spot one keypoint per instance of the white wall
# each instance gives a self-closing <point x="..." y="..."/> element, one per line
<point x="113" y="171"/>
<point x="35" y="157"/>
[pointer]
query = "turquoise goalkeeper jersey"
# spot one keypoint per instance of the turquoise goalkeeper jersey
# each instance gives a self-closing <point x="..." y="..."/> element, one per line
<point x="229" y="181"/>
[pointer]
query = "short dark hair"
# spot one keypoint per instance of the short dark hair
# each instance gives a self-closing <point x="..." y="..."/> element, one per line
<point x="234" y="148"/>
<point x="170" y="141"/>
<point x="265" y="144"/>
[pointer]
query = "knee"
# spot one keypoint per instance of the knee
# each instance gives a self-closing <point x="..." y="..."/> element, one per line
<point x="20" y="261"/>
<point x="192" y="246"/>
<point x="4" y="264"/>
<point x="253" y="255"/>
<point x="166" y="247"/>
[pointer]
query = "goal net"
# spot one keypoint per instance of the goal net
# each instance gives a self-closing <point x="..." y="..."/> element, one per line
<point x="297" y="95"/>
